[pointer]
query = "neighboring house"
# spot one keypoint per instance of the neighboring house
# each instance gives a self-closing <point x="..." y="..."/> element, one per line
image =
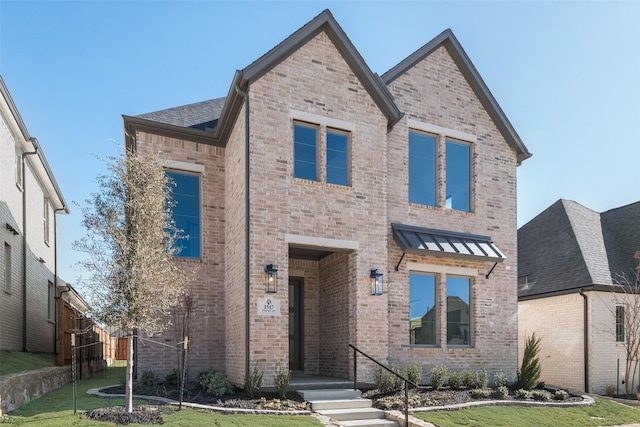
<point x="30" y="199"/>
<point x="570" y="260"/>
<point x="376" y="199"/>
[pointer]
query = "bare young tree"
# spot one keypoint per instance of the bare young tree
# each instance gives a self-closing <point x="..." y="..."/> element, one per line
<point x="130" y="241"/>
<point x="627" y="299"/>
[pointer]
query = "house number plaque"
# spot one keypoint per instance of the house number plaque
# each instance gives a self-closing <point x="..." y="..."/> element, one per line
<point x="268" y="307"/>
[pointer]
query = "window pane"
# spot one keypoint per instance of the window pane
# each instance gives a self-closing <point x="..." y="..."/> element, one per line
<point x="422" y="169"/>
<point x="458" y="319"/>
<point x="186" y="212"/>
<point x="458" y="176"/>
<point x="619" y="323"/>
<point x="337" y="158"/>
<point x="422" y="309"/>
<point x="304" y="152"/>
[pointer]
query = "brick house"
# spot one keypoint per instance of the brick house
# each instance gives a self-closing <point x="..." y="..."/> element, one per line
<point x="570" y="259"/>
<point x="30" y="199"/>
<point x="377" y="199"/>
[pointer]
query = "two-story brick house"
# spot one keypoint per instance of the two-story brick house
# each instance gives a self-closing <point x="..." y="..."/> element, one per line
<point x="381" y="201"/>
<point x="30" y="199"/>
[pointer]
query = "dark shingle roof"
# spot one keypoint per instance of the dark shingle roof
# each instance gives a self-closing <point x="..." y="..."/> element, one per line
<point x="569" y="247"/>
<point x="200" y="115"/>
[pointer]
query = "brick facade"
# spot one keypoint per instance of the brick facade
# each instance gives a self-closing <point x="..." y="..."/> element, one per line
<point x="332" y="236"/>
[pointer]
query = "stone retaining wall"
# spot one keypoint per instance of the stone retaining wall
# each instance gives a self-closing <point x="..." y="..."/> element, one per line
<point x="17" y="389"/>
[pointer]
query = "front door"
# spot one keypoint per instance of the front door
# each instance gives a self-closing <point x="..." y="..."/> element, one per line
<point x="296" y="329"/>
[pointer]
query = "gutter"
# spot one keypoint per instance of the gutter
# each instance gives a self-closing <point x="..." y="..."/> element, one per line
<point x="586" y="341"/>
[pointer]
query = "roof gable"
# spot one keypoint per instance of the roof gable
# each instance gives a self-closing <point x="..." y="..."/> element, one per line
<point x="468" y="70"/>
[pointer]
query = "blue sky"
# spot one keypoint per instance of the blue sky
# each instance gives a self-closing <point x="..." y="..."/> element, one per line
<point x="566" y="74"/>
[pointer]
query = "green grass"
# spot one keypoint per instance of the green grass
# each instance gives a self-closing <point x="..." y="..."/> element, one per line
<point x="13" y="362"/>
<point x="603" y="413"/>
<point x="56" y="409"/>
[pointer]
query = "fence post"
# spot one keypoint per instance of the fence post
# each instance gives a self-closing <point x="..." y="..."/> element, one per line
<point x="185" y="344"/>
<point x="73" y="372"/>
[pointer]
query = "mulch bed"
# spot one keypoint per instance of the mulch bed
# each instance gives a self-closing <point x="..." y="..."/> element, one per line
<point x="146" y="414"/>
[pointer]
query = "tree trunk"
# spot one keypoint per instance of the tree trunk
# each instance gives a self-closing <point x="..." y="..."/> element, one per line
<point x="129" y="379"/>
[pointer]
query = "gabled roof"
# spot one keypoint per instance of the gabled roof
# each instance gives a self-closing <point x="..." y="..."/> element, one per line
<point x="569" y="247"/>
<point x="453" y="46"/>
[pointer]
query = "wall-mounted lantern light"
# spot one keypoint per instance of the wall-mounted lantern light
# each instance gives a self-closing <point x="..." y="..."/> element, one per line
<point x="271" y="278"/>
<point x="376" y="283"/>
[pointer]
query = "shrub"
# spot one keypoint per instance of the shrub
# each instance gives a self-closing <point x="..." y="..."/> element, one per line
<point x="522" y="393"/>
<point x="480" y="393"/>
<point x="469" y="379"/>
<point x="172" y="377"/>
<point x="439" y="376"/>
<point x="529" y="372"/>
<point x="253" y="382"/>
<point x="501" y="379"/>
<point x="215" y="383"/>
<point x="413" y="373"/>
<point x="149" y="379"/>
<point x="282" y="378"/>
<point x="561" y="395"/>
<point x="542" y="395"/>
<point x="501" y="392"/>
<point x="610" y="391"/>
<point x="386" y="382"/>
<point x="456" y="381"/>
<point x="482" y="379"/>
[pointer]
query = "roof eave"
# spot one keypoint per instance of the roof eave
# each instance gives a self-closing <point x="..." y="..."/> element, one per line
<point x="136" y="124"/>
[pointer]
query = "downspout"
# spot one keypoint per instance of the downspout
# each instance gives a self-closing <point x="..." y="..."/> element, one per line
<point x="55" y="276"/>
<point x="24" y="244"/>
<point x="247" y="301"/>
<point x="586" y="341"/>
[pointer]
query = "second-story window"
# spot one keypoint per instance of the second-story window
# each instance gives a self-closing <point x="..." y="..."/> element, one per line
<point x="46" y="220"/>
<point x="422" y="168"/>
<point x="619" y="323"/>
<point x="305" y="153"/>
<point x="186" y="212"/>
<point x="458" y="159"/>
<point x="19" y="168"/>
<point x="337" y="157"/>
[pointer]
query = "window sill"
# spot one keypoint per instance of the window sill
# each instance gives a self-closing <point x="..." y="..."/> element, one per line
<point x="339" y="187"/>
<point x="305" y="181"/>
<point x="53" y="322"/>
<point x="441" y="209"/>
<point x="8" y="292"/>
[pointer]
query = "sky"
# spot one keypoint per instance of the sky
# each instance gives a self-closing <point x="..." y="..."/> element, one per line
<point x="566" y="74"/>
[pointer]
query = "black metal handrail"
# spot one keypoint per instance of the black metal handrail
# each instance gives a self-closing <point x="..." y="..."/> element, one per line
<point x="407" y="382"/>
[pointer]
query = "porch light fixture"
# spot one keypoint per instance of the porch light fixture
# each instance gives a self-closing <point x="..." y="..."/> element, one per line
<point x="271" y="278"/>
<point x="376" y="282"/>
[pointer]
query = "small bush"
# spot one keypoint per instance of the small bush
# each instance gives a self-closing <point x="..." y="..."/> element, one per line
<point x="610" y="391"/>
<point x="522" y="393"/>
<point x="385" y="381"/>
<point x="542" y="395"/>
<point x="482" y="379"/>
<point x="469" y="379"/>
<point x="172" y="377"/>
<point x="215" y="383"/>
<point x="501" y="379"/>
<point x="501" y="392"/>
<point x="456" y="381"/>
<point x="282" y="378"/>
<point x="439" y="376"/>
<point x="149" y="379"/>
<point x="480" y="393"/>
<point x="530" y="370"/>
<point x="561" y="395"/>
<point x="413" y="373"/>
<point x="253" y="382"/>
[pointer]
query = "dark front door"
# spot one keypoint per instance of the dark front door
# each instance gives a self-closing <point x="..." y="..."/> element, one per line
<point x="296" y="329"/>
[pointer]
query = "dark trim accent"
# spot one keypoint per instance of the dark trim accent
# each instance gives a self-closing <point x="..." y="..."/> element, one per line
<point x="247" y="365"/>
<point x="586" y="341"/>
<point x="576" y="290"/>
<point x="486" y="276"/>
<point x="133" y="124"/>
<point x="462" y="60"/>
<point x="401" y="258"/>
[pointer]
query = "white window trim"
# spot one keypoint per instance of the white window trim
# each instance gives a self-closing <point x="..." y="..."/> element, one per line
<point x="441" y="269"/>
<point x="182" y="166"/>
<point x="322" y="120"/>
<point x="439" y="130"/>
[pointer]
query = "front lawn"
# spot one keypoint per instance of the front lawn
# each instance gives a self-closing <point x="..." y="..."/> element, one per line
<point x="13" y="362"/>
<point x="603" y="413"/>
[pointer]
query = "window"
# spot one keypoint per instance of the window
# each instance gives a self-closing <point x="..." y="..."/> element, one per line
<point x="7" y="267"/>
<point x="51" y="298"/>
<point x="422" y="311"/>
<point x="305" y="155"/>
<point x="19" y="168"/>
<point x="458" y="179"/>
<point x="458" y="313"/>
<point x="422" y="169"/>
<point x="620" y="323"/>
<point x="337" y="157"/>
<point x="186" y="212"/>
<point x="46" y="220"/>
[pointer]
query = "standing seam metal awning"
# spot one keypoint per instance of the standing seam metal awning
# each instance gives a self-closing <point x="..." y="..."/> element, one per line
<point x="442" y="242"/>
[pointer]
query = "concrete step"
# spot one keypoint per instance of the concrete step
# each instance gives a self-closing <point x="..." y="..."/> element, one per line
<point x="319" y="405"/>
<point x="353" y="414"/>
<point x="369" y="423"/>
<point x="330" y="394"/>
